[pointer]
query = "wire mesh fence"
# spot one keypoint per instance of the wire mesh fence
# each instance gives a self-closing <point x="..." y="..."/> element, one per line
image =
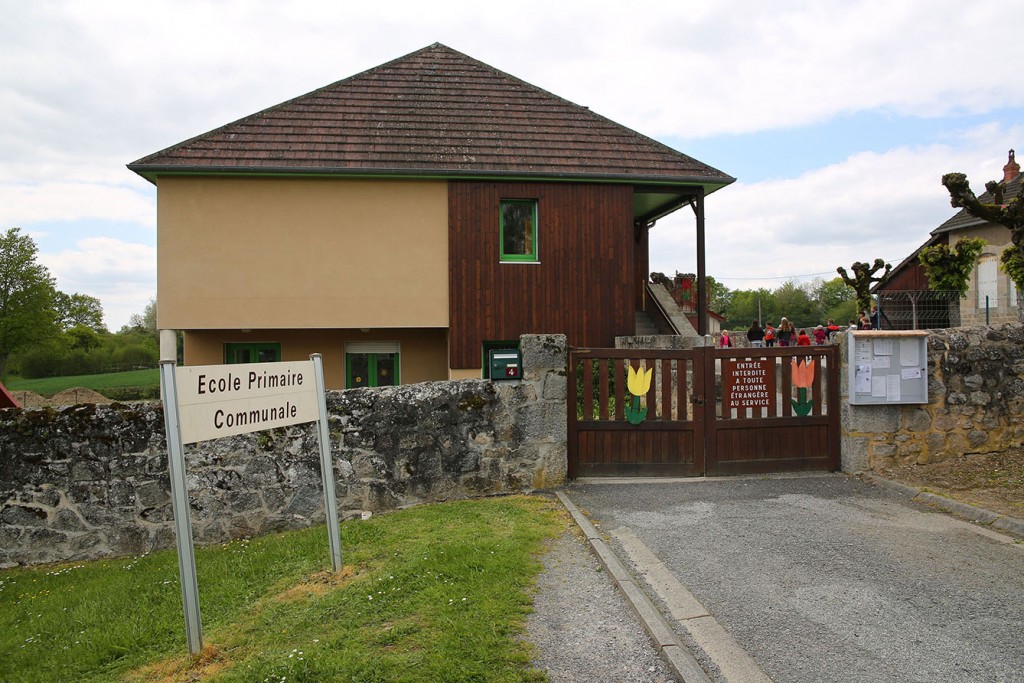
<point x="930" y="309"/>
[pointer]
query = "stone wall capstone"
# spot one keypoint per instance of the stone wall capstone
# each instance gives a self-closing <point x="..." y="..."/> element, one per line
<point x="91" y="481"/>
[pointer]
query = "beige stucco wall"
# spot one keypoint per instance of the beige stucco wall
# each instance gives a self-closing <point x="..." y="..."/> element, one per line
<point x="423" y="353"/>
<point x="277" y="253"/>
<point x="1000" y="310"/>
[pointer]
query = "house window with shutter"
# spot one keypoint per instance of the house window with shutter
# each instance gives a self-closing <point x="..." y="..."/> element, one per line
<point x="519" y="230"/>
<point x="987" y="283"/>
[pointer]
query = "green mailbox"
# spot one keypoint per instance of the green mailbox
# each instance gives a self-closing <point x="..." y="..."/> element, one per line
<point x="504" y="364"/>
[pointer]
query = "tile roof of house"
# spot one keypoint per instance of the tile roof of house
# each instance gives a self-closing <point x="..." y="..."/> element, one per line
<point x="962" y="219"/>
<point x="433" y="112"/>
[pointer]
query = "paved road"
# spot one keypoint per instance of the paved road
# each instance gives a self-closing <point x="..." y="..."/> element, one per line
<point x="825" y="578"/>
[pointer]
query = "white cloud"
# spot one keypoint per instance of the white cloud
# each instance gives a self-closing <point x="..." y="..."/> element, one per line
<point x="22" y="203"/>
<point x="122" y="275"/>
<point x="87" y="87"/>
<point x="869" y="206"/>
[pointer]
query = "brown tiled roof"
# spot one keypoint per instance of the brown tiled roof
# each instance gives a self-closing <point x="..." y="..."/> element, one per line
<point x="963" y="219"/>
<point x="433" y="112"/>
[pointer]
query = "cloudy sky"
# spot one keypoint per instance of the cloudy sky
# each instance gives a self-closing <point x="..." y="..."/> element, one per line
<point x="837" y="118"/>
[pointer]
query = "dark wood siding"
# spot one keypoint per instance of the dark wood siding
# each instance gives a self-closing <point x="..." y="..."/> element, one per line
<point x="909" y="275"/>
<point x="583" y="287"/>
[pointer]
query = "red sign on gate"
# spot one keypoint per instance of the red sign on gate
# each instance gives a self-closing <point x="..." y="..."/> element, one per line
<point x="748" y="383"/>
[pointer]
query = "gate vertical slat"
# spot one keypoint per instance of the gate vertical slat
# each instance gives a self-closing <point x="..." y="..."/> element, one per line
<point x="588" y="388"/>
<point x="819" y="378"/>
<point x="652" y="391"/>
<point x="787" y="385"/>
<point x="602" y="369"/>
<point x="620" y="388"/>
<point x="666" y="389"/>
<point x="682" y="402"/>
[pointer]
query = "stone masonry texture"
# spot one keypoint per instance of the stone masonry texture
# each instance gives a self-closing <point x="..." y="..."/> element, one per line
<point x="975" y="404"/>
<point x="91" y="481"/>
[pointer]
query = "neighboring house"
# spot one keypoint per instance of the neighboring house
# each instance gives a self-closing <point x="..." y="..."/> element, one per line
<point x="989" y="285"/>
<point x="407" y="219"/>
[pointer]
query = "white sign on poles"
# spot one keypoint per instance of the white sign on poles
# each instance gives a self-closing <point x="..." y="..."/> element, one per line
<point x="211" y="401"/>
<point x="224" y="400"/>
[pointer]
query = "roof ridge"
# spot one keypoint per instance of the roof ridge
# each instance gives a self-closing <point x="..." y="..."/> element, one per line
<point x="481" y="117"/>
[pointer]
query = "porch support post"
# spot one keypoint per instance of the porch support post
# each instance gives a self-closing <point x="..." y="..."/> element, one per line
<point x="702" y="291"/>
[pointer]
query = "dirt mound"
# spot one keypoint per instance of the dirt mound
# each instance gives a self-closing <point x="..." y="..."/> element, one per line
<point x="76" y="395"/>
<point x="68" y="397"/>
<point x="29" y="399"/>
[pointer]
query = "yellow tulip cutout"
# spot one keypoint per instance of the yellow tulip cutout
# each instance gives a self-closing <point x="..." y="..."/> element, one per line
<point x="638" y="383"/>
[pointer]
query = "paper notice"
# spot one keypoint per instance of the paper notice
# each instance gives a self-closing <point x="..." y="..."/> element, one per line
<point x="892" y="389"/>
<point x="862" y="379"/>
<point x="878" y="386"/>
<point x="910" y="373"/>
<point x="861" y="352"/>
<point x="909" y="352"/>
<point x="882" y="347"/>
<point x="880" y="362"/>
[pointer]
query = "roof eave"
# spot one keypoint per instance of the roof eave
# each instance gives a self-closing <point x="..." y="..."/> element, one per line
<point x="152" y="171"/>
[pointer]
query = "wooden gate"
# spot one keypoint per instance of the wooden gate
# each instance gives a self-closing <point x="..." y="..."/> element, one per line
<point x="703" y="411"/>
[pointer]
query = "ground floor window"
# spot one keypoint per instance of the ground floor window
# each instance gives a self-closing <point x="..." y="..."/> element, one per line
<point x="372" y="364"/>
<point x="259" y="352"/>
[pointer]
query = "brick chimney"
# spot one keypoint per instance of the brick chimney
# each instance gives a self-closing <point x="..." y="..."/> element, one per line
<point x="1011" y="170"/>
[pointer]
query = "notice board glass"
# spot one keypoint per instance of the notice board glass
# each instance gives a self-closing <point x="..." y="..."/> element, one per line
<point x="888" y="367"/>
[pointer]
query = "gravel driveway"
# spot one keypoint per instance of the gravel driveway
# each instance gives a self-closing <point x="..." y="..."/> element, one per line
<point x="581" y="627"/>
<point x="825" y="578"/>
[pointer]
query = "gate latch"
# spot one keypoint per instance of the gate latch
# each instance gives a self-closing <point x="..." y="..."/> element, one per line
<point x="698" y="400"/>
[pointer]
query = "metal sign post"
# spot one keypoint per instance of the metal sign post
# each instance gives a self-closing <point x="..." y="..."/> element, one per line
<point x="327" y="467"/>
<point x="224" y="400"/>
<point x="179" y="505"/>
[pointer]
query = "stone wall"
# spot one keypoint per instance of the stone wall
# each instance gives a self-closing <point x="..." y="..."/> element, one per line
<point x="91" y="481"/>
<point x="975" y="403"/>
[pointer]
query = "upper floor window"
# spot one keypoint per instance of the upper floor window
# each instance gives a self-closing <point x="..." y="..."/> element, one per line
<point x="519" y="230"/>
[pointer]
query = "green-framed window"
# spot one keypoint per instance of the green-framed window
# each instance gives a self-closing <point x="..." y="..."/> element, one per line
<point x="252" y="352"/>
<point x="519" y="230"/>
<point x="372" y="364"/>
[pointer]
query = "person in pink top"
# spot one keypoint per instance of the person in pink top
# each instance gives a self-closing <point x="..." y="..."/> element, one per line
<point x="820" y="334"/>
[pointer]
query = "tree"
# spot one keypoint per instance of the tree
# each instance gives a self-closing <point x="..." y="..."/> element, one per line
<point x="78" y="310"/>
<point x="1010" y="214"/>
<point x="949" y="268"/>
<point x="794" y="302"/>
<point x="26" y="296"/>
<point x="718" y="295"/>
<point x="863" y="278"/>
<point x="145" y="321"/>
<point x="836" y="300"/>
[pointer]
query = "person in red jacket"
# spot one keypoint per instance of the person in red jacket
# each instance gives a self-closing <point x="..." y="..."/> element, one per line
<point x="802" y="339"/>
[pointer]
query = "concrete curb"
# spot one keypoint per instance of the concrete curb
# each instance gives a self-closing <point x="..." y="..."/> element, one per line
<point x="669" y="646"/>
<point x="1010" y="525"/>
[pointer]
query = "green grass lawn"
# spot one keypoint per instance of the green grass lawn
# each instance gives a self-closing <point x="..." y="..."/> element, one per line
<point x="433" y="593"/>
<point x="48" y="386"/>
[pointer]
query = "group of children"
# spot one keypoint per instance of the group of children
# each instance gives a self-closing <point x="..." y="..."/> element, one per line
<point x="785" y="335"/>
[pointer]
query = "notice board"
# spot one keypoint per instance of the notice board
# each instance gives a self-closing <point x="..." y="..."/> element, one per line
<point x="888" y="367"/>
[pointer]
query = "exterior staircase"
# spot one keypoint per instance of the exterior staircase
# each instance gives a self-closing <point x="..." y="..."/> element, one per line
<point x="644" y="325"/>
